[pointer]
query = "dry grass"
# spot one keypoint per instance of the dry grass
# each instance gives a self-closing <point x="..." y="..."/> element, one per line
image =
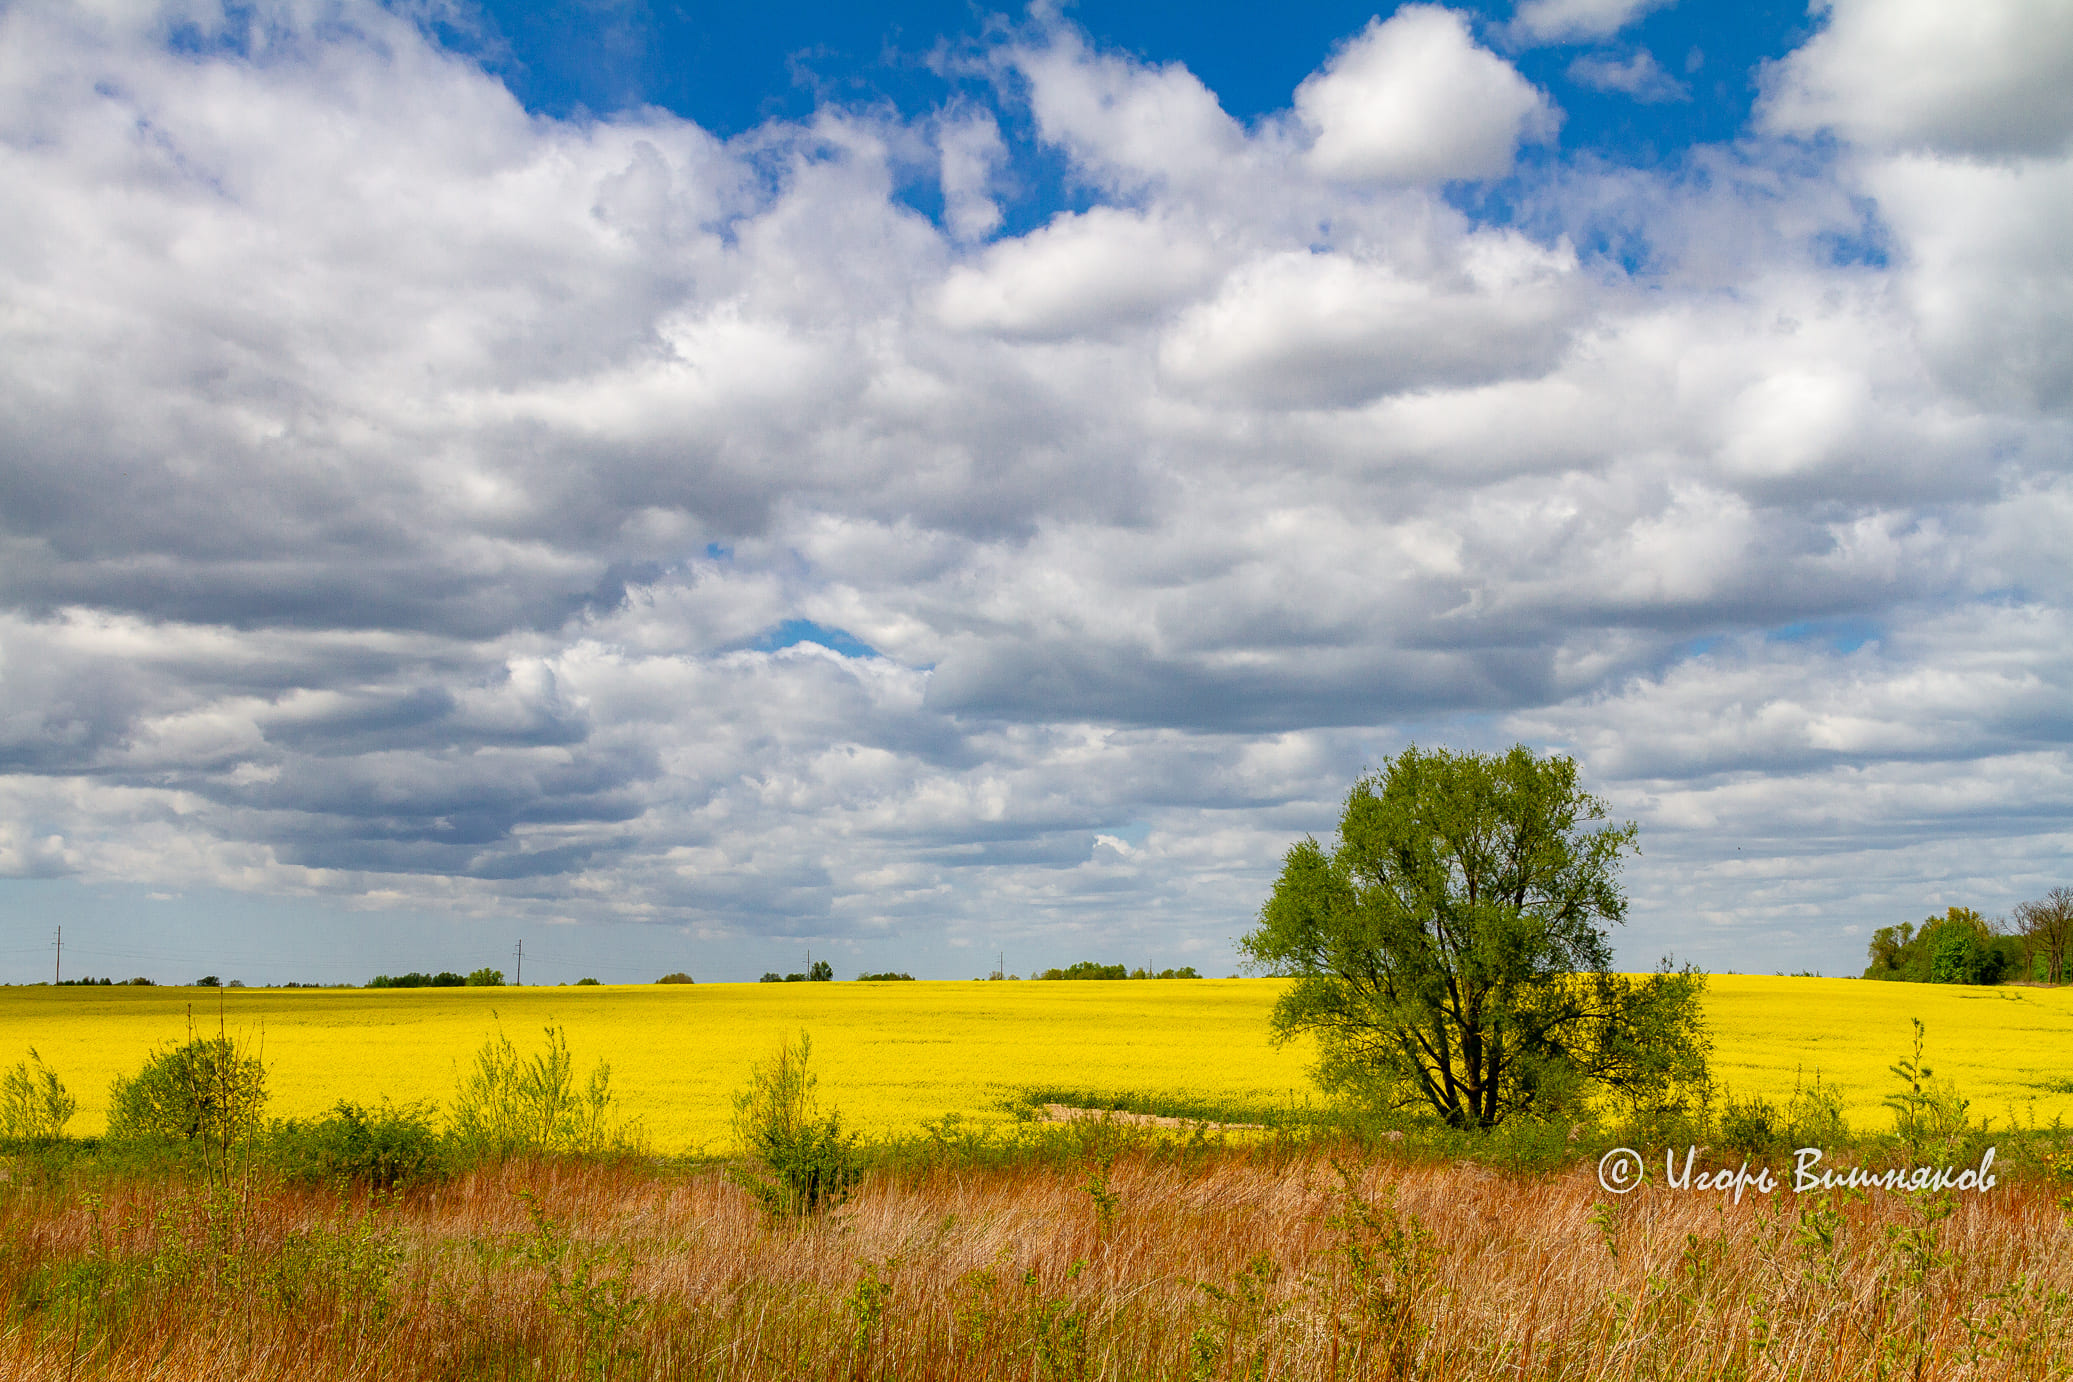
<point x="1226" y="1266"/>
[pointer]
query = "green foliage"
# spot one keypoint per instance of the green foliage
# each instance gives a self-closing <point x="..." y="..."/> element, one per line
<point x="1241" y="1314"/>
<point x="587" y="984"/>
<point x="676" y="977"/>
<point x="1450" y="953"/>
<point x="601" y="1304"/>
<point x="34" y="1104"/>
<point x="807" y="1162"/>
<point x="1811" y="1117"/>
<point x="507" y="1105"/>
<point x="486" y="978"/>
<point x="444" y="979"/>
<point x="1087" y="969"/>
<point x="1386" y="1269"/>
<point x="1958" y="947"/>
<point x="771" y="976"/>
<point x="867" y="1303"/>
<point x="821" y="972"/>
<point x="206" y="1090"/>
<point x="885" y="978"/>
<point x="386" y="1147"/>
<point x="1926" y="1109"/>
<point x="208" y="981"/>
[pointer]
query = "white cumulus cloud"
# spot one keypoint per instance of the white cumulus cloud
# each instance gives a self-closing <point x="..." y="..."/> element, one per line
<point x="1415" y="99"/>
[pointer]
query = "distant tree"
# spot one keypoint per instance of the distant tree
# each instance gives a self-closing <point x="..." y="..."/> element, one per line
<point x="677" y="977"/>
<point x="1959" y="947"/>
<point x="486" y="978"/>
<point x="888" y="977"/>
<point x="821" y="973"/>
<point x="417" y="979"/>
<point x="208" y="981"/>
<point x="1087" y="969"/>
<point x="2045" y="928"/>
<point x="587" y="983"/>
<point x="1889" y="946"/>
<point x="771" y="976"/>
<point x="1450" y="952"/>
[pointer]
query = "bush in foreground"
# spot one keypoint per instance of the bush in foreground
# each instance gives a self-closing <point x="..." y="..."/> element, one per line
<point x="385" y="1147"/>
<point x="509" y="1104"/>
<point x="206" y="1090"/>
<point x="804" y="1160"/>
<point x="34" y="1103"/>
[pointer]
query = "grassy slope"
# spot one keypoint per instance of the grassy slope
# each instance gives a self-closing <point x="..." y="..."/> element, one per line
<point x="894" y="1055"/>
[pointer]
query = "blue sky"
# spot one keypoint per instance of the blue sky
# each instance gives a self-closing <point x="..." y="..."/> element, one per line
<point x="731" y="68"/>
<point x="686" y="488"/>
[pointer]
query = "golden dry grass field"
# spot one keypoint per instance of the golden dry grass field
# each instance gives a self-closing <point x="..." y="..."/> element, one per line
<point x="895" y="1055"/>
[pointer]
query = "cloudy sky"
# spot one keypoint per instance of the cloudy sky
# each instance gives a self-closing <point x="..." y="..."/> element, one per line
<point x="914" y="483"/>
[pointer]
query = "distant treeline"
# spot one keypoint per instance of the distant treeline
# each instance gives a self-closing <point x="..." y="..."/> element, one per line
<point x="90" y="982"/>
<point x="1087" y="969"/>
<point x="820" y="972"/>
<point x="1963" y="947"/>
<point x="484" y="978"/>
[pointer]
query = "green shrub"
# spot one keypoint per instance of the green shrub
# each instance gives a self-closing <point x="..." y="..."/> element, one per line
<point x="386" y="1147"/>
<point x="885" y="978"/>
<point x="1753" y="1125"/>
<point x="207" y="1090"/>
<point x="678" y="977"/>
<point x="508" y="1105"/>
<point x="486" y="978"/>
<point x="587" y="984"/>
<point x="34" y="1104"/>
<point x="807" y="1162"/>
<point x="444" y="979"/>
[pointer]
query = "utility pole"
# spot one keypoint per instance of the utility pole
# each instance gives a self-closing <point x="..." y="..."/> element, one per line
<point x="518" y="974"/>
<point x="58" y="975"/>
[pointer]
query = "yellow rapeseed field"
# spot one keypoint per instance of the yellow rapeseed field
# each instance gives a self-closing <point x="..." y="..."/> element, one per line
<point x="893" y="1056"/>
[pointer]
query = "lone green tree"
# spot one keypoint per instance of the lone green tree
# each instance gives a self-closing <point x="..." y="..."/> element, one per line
<point x="1450" y="953"/>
